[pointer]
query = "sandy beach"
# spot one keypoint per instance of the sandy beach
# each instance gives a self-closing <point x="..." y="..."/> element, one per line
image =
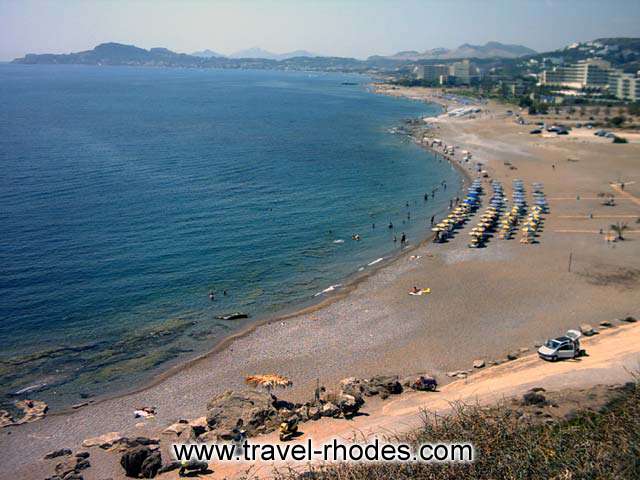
<point x="484" y="303"/>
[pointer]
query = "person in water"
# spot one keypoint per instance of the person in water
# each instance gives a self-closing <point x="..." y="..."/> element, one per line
<point x="390" y="225"/>
<point x="403" y="239"/>
<point x="211" y="295"/>
<point x="433" y="218"/>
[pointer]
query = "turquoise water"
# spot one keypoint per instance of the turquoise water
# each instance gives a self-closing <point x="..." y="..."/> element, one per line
<point x="128" y="194"/>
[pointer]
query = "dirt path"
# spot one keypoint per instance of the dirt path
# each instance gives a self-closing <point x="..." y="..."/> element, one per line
<point x="613" y="358"/>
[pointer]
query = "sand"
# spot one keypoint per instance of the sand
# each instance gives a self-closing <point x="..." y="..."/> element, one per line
<point x="484" y="303"/>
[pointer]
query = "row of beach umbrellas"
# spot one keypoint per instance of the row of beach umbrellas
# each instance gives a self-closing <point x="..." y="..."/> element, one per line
<point x="489" y="218"/>
<point x="459" y="215"/>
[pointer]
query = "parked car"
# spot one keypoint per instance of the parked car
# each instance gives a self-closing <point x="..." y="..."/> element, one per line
<point x="567" y="346"/>
<point x="600" y="133"/>
<point x="535" y="130"/>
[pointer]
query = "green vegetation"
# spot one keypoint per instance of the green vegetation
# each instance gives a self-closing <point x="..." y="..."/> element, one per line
<point x="588" y="445"/>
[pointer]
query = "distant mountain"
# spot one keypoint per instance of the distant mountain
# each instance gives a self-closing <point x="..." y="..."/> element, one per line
<point x="120" y="54"/>
<point x="113" y="54"/>
<point x="257" y="52"/>
<point x="466" y="50"/>
<point x="206" y="53"/>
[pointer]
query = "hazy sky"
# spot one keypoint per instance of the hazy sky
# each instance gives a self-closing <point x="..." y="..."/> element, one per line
<point x="330" y="27"/>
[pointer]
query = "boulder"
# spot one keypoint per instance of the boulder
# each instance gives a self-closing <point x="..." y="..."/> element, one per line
<point x="73" y="476"/>
<point x="606" y="324"/>
<point x="132" y="460"/>
<point x="478" y="363"/>
<point x="349" y="404"/>
<point x="586" y="330"/>
<point x="58" y="453"/>
<point x="383" y="385"/>
<point x="176" y="429"/>
<point x="82" y="464"/>
<point x="314" y="413"/>
<point x="33" y="410"/>
<point x="523" y="349"/>
<point x="66" y="466"/>
<point x="512" y="356"/>
<point x="454" y="373"/>
<point x="151" y="465"/>
<point x="534" y="398"/>
<point x="5" y="419"/>
<point x="168" y="467"/>
<point x="255" y="409"/>
<point x="104" y="441"/>
<point x="630" y="319"/>
<point x="330" y="409"/>
<point x="83" y="455"/>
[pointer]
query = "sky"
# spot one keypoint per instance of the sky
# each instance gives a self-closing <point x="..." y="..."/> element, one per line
<point x="353" y="28"/>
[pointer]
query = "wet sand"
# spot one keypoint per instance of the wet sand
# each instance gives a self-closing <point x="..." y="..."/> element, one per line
<point x="484" y="302"/>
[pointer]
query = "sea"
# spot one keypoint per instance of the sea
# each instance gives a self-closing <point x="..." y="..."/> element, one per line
<point x="128" y="195"/>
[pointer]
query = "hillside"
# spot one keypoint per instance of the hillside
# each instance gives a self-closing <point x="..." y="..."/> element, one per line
<point x="466" y="50"/>
<point x="622" y="52"/>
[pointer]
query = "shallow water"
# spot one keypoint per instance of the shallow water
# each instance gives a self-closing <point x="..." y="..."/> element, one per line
<point x="128" y="194"/>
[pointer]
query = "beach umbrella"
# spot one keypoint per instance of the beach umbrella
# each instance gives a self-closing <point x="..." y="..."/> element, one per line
<point x="268" y="381"/>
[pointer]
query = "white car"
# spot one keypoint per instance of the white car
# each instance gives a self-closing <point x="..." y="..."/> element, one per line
<point x="567" y="346"/>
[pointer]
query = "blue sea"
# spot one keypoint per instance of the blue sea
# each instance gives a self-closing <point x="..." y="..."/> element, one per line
<point x="128" y="194"/>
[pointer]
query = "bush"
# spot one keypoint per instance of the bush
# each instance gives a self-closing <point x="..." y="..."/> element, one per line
<point x="617" y="121"/>
<point x="603" y="444"/>
<point x="619" y="140"/>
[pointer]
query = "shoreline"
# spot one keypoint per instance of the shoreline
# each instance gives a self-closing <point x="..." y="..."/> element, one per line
<point x="348" y="285"/>
<point x="484" y="303"/>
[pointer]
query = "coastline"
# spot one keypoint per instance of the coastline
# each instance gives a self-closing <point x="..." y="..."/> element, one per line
<point x="484" y="303"/>
<point x="311" y="305"/>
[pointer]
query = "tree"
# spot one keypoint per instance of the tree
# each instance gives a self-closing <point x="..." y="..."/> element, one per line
<point x="619" y="228"/>
<point x="583" y="111"/>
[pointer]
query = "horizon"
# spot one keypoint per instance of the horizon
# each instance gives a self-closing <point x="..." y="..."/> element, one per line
<point x="342" y="29"/>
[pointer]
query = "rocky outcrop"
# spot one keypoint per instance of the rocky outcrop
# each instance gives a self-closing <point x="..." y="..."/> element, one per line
<point x="58" y="453"/>
<point x="71" y="467"/>
<point x="33" y="410"/>
<point x="133" y="459"/>
<point x="255" y="411"/>
<point x="6" y="419"/>
<point x="103" y="441"/>
<point x="151" y="465"/>
<point x="383" y="385"/>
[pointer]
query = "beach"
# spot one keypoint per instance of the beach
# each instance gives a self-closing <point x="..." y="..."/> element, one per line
<point x="484" y="303"/>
